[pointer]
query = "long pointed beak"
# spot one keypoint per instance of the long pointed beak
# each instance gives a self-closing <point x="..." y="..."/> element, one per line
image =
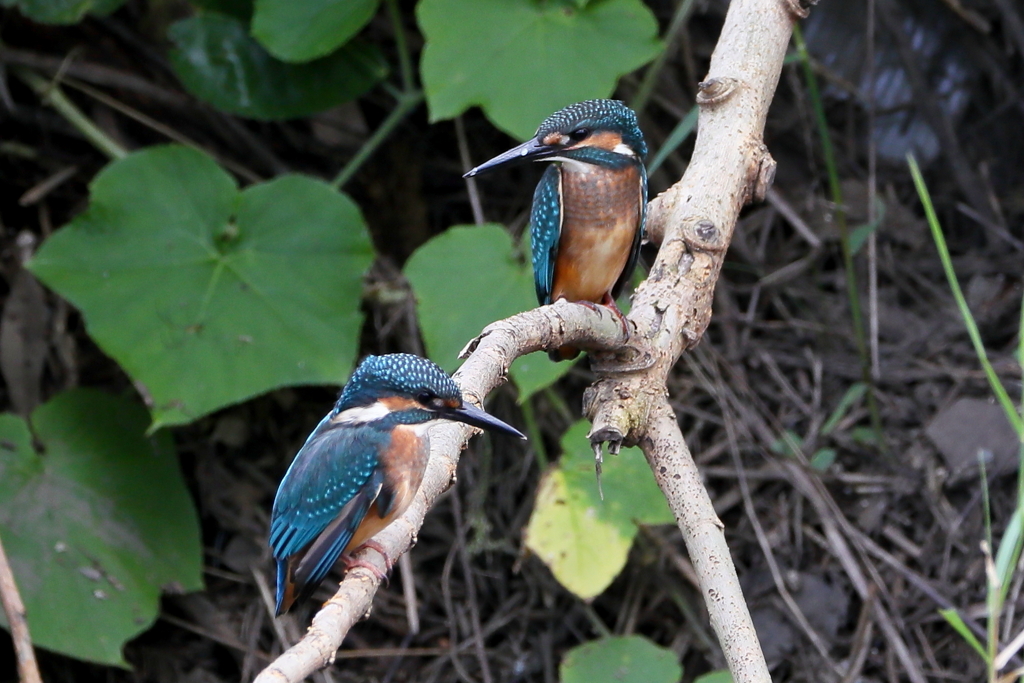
<point x="531" y="150"/>
<point x="472" y="415"/>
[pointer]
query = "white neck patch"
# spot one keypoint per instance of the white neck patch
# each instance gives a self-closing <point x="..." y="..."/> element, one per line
<point x="573" y="165"/>
<point x="624" y="149"/>
<point x="361" y="414"/>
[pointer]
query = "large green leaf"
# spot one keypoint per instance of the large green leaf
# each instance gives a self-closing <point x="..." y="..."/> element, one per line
<point x="207" y="296"/>
<point x="584" y="540"/>
<point x="620" y="659"/>
<point x="521" y="59"/>
<point x="62" y="11"/>
<point x="301" y="30"/>
<point x="219" y="62"/>
<point x="94" y="523"/>
<point x="466" y="278"/>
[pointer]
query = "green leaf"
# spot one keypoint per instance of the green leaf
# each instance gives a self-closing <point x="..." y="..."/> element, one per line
<point x="95" y="523"/>
<point x="620" y="659"/>
<point x="219" y="62"/>
<point x="63" y="11"/>
<point x="852" y="396"/>
<point x="823" y="459"/>
<point x="584" y="540"/>
<point x="859" y="235"/>
<point x="301" y="30"/>
<point x="521" y="60"/>
<point x="466" y="278"/>
<point x="957" y="622"/>
<point x="721" y="676"/>
<point x="208" y="296"/>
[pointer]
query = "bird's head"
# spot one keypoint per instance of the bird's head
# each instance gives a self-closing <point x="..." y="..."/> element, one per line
<point x="401" y="385"/>
<point x="598" y="132"/>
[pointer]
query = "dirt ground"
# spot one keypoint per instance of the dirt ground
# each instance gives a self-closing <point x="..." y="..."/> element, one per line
<point x="871" y="544"/>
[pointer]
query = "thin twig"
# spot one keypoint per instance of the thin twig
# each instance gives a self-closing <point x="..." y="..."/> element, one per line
<point x="467" y="572"/>
<point x="467" y="163"/>
<point x="14" y="608"/>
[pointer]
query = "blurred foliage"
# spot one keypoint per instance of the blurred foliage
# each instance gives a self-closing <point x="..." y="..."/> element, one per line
<point x="96" y="520"/>
<point x="520" y="61"/>
<point x="301" y="30"/>
<point x="583" y="539"/>
<point x="620" y="659"/>
<point x="206" y="295"/>
<point x="219" y="62"/>
<point x="492" y="281"/>
<point x="62" y="11"/>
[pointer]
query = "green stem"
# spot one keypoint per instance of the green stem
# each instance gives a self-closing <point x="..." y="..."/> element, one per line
<point x="961" y="303"/>
<point x="836" y="191"/>
<point x="51" y="94"/>
<point x="533" y="431"/>
<point x="406" y="103"/>
<point x="683" y="130"/>
<point x="643" y="95"/>
<point x="404" y="62"/>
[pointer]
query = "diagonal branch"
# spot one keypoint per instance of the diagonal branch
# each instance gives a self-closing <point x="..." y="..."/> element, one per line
<point x="693" y="222"/>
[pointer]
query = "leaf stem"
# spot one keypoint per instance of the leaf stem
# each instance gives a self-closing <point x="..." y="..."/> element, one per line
<point x="50" y="93"/>
<point x="533" y="431"/>
<point x="643" y="94"/>
<point x="407" y="101"/>
<point x="404" y="61"/>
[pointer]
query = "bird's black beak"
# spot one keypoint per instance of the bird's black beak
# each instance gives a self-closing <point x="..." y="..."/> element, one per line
<point x="472" y="415"/>
<point x="531" y="150"/>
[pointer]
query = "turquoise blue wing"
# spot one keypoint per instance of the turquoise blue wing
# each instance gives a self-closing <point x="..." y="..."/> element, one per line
<point x="545" y="229"/>
<point x="329" y="487"/>
<point x="641" y="230"/>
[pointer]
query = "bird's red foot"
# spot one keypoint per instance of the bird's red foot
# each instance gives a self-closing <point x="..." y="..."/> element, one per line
<point x="609" y="302"/>
<point x="351" y="562"/>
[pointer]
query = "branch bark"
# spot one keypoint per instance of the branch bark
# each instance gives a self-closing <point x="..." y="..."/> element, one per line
<point x="693" y="222"/>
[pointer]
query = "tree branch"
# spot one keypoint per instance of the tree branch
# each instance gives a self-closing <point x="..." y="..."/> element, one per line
<point x="693" y="222"/>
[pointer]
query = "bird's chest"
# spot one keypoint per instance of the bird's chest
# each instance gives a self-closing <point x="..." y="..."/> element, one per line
<point x="405" y="463"/>
<point x="600" y="216"/>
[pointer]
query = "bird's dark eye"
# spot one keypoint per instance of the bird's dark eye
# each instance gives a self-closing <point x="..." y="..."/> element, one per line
<point x="426" y="397"/>
<point x="579" y="134"/>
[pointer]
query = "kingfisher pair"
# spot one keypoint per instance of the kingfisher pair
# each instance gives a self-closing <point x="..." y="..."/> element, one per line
<point x="587" y="220"/>
<point x="362" y="465"/>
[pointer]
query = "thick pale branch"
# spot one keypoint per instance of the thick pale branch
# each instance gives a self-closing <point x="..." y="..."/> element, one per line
<point x="703" y="533"/>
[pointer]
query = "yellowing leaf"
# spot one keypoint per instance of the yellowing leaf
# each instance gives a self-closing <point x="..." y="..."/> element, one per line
<point x="584" y="540"/>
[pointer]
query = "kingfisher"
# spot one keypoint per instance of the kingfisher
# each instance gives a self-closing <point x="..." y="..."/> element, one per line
<point x="360" y="468"/>
<point x="587" y="220"/>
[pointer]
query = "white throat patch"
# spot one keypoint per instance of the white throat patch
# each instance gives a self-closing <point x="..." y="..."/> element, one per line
<point x="624" y="149"/>
<point x="361" y="414"/>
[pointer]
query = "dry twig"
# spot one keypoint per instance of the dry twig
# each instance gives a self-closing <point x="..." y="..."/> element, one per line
<point x="14" y="608"/>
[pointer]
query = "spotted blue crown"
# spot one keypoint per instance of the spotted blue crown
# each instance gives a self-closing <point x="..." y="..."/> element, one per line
<point x="610" y="115"/>
<point x="396" y="374"/>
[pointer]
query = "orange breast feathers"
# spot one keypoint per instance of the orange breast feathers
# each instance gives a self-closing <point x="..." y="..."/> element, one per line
<point x="403" y="474"/>
<point x="600" y="216"/>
